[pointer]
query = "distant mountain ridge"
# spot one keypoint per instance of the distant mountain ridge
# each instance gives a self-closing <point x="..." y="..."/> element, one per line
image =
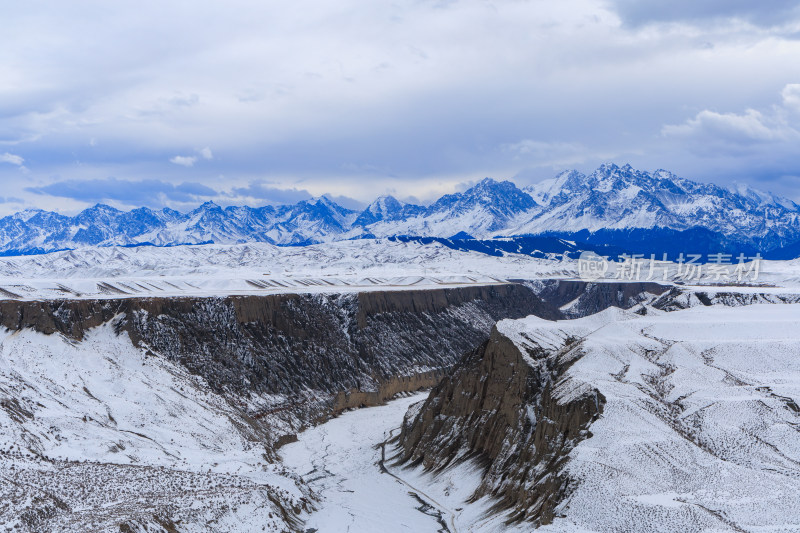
<point x="612" y="203"/>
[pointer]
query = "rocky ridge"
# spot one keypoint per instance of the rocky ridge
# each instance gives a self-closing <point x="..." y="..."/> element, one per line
<point x="513" y="408"/>
<point x="500" y="408"/>
<point x="612" y="205"/>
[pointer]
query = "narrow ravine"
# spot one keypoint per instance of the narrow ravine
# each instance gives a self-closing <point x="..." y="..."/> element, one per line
<point x="428" y="505"/>
<point x="342" y="460"/>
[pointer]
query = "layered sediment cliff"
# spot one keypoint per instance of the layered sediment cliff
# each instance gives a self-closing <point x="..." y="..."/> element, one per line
<point x="317" y="352"/>
<point x="576" y="298"/>
<point x="515" y="408"/>
<point x="499" y="407"/>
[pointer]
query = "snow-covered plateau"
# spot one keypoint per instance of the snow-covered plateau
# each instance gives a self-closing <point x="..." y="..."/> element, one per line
<point x="262" y="268"/>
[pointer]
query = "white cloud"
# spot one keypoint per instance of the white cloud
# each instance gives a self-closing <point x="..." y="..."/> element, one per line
<point x="190" y="160"/>
<point x="750" y="127"/>
<point x="11" y="158"/>
<point x="184" y="160"/>
<point x="757" y="146"/>
<point x="708" y="129"/>
<point x="541" y="148"/>
<point x="555" y="155"/>
<point x="791" y="96"/>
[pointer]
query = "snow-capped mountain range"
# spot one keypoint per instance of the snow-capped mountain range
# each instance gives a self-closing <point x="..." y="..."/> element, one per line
<point x="611" y="198"/>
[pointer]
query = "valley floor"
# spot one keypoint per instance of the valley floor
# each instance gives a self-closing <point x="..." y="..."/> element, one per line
<point x="341" y="460"/>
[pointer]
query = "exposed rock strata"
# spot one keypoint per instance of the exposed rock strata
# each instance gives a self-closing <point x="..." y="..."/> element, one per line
<point x="577" y="298"/>
<point x="499" y="407"/>
<point x="678" y="298"/>
<point x="320" y="352"/>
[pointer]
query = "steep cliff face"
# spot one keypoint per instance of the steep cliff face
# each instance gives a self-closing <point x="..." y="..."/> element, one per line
<point x="499" y="407"/>
<point x="575" y="298"/>
<point x="688" y="411"/>
<point x="678" y="298"/>
<point x="193" y="396"/>
<point x="312" y="352"/>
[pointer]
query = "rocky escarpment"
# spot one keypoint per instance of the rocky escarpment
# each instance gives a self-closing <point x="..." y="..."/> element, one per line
<point x="677" y="298"/>
<point x="502" y="407"/>
<point x="310" y="353"/>
<point x="575" y="298"/>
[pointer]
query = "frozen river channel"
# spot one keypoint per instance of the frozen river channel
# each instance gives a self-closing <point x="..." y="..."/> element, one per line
<point x="341" y="460"/>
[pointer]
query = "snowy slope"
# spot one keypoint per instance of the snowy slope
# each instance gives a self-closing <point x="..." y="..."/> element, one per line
<point x="698" y="433"/>
<point x="97" y="435"/>
<point x="699" y="430"/>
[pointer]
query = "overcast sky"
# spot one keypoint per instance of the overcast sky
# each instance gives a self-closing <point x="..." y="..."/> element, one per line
<point x="254" y="102"/>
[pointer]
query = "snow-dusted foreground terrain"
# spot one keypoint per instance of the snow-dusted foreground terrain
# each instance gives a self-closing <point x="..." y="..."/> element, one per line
<point x="98" y="436"/>
<point x="699" y="431"/>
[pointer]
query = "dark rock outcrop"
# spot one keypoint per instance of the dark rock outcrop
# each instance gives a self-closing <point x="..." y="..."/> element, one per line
<point x="322" y="352"/>
<point x="582" y="298"/>
<point x="678" y="298"/>
<point x="499" y="408"/>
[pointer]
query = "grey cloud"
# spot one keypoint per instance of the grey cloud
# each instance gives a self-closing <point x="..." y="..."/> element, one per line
<point x="347" y="202"/>
<point x="757" y="146"/>
<point x="137" y="193"/>
<point x="263" y="190"/>
<point x="639" y="12"/>
<point x="267" y="192"/>
<point x="11" y="200"/>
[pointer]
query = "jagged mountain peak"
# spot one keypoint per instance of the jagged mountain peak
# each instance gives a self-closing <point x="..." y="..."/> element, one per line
<point x="611" y="197"/>
<point x="99" y="210"/>
<point x="761" y="197"/>
<point x="387" y="208"/>
<point x="209" y="206"/>
<point x="502" y="196"/>
<point x="384" y="203"/>
<point x="100" y="207"/>
<point x="27" y="214"/>
<point x="491" y="186"/>
<point x="325" y="202"/>
<point x="564" y="184"/>
<point x="624" y="198"/>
